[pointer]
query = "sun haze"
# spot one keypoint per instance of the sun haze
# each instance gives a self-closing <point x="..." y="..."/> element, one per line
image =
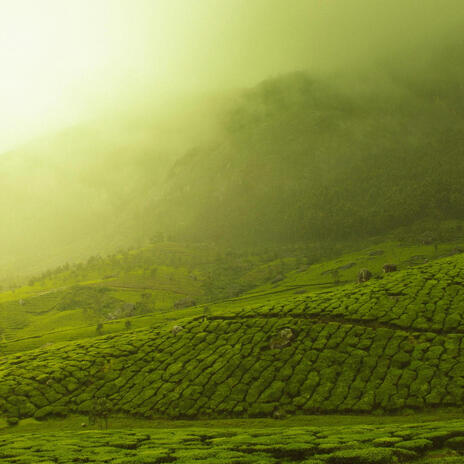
<point x="62" y="61"/>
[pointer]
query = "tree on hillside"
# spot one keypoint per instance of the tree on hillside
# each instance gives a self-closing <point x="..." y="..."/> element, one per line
<point x="100" y="411"/>
<point x="99" y="328"/>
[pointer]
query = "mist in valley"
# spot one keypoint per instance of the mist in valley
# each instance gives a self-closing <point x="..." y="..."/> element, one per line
<point x="172" y="136"/>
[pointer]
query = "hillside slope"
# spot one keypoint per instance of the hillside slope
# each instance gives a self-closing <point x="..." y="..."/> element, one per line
<point x="165" y="282"/>
<point x="387" y="345"/>
<point x="296" y="158"/>
<point x="307" y="157"/>
<point x="159" y="279"/>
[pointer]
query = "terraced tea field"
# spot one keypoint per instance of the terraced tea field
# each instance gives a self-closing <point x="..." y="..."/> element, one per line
<point x="389" y="346"/>
<point x="386" y="345"/>
<point x="435" y="442"/>
<point x="68" y="303"/>
<point x="427" y="298"/>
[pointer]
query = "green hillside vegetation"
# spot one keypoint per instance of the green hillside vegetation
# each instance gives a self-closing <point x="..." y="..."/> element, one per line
<point x="406" y="248"/>
<point x="306" y="157"/>
<point x="387" y="345"/>
<point x="232" y="232"/>
<point x="437" y="442"/>
<point x="155" y="285"/>
<point x="158" y="280"/>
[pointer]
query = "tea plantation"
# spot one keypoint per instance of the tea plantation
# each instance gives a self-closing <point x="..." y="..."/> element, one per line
<point x="68" y="304"/>
<point x="387" y="345"/>
<point x="437" y="442"/>
<point x="427" y="298"/>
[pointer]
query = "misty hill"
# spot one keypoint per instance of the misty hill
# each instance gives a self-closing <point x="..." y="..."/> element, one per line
<point x="84" y="191"/>
<point x="73" y="194"/>
<point x="307" y="157"/>
<point x="386" y="345"/>
<point x="301" y="157"/>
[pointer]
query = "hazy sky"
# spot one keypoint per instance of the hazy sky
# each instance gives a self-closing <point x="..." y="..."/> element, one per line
<point x="64" y="60"/>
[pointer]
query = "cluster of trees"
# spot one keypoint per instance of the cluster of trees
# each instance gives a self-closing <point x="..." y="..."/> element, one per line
<point x="219" y="272"/>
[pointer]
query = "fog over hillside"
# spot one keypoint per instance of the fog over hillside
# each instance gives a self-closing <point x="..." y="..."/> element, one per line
<point x="310" y="158"/>
<point x="255" y="128"/>
<point x="83" y="190"/>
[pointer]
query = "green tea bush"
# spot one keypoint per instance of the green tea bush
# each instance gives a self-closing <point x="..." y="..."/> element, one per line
<point x="336" y="360"/>
<point x="225" y="444"/>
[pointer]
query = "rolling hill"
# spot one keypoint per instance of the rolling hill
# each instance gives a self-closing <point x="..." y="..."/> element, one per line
<point x="386" y="345"/>
<point x="165" y="281"/>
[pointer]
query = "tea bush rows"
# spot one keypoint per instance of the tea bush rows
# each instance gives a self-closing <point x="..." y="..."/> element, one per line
<point x="237" y="365"/>
<point x="425" y="298"/>
<point x="227" y="368"/>
<point x="308" y="445"/>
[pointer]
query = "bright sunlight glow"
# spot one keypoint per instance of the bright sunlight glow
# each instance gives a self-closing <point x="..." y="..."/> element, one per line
<point x="62" y="61"/>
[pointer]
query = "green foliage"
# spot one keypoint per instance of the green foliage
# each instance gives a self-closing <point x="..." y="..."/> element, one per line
<point x="456" y="443"/>
<point x="419" y="445"/>
<point x="355" y="165"/>
<point x="345" y="351"/>
<point x="251" y="443"/>
<point x="361" y="456"/>
<point x="89" y="292"/>
<point x="356" y="358"/>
